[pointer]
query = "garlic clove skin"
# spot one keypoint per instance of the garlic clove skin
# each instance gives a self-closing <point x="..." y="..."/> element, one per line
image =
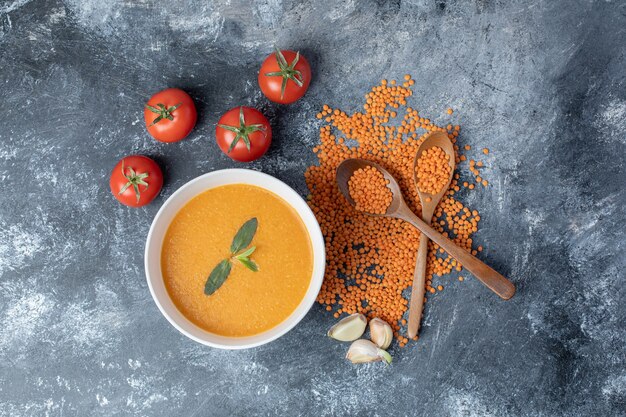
<point x="363" y="351"/>
<point x="349" y="328"/>
<point x="381" y="333"/>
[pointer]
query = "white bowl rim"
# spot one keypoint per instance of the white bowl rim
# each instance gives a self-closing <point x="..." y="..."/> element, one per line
<point x="317" y="245"/>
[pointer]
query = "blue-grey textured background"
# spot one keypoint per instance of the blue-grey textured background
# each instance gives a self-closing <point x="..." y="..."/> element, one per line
<point x="541" y="83"/>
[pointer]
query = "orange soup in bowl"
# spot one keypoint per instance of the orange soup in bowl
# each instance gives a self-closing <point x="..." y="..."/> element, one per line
<point x="247" y="302"/>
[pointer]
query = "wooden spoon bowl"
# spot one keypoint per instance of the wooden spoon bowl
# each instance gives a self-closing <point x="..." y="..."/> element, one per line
<point x="347" y="168"/>
<point x="429" y="201"/>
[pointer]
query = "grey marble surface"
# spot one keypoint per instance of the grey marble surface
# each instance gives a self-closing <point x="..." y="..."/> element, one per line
<point x="540" y="83"/>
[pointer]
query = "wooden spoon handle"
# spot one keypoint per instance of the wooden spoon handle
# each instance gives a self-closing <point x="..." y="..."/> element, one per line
<point x="419" y="288"/>
<point x="488" y="276"/>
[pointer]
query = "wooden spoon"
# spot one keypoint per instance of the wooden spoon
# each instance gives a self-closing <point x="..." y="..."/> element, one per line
<point x="429" y="203"/>
<point x="399" y="210"/>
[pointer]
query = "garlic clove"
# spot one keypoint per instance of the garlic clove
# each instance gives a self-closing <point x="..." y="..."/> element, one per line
<point x="381" y="333"/>
<point x="362" y="351"/>
<point x="349" y="328"/>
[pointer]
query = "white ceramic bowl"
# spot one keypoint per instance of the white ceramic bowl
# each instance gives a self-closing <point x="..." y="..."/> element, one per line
<point x="162" y="221"/>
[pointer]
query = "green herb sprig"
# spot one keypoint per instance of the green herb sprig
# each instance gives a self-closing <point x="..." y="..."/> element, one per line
<point x="239" y="251"/>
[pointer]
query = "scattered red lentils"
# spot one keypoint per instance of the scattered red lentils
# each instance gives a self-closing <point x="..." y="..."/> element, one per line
<point x="370" y="260"/>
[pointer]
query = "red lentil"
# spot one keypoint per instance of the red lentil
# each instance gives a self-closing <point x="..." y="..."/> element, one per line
<point x="370" y="260"/>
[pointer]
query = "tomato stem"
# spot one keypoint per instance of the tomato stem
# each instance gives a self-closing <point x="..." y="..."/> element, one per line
<point x="287" y="71"/>
<point x="163" y="112"/>
<point x="242" y="131"/>
<point x="134" y="180"/>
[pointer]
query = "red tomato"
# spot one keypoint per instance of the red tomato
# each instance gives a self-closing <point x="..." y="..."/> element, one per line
<point x="136" y="180"/>
<point x="284" y="76"/>
<point x="243" y="134"/>
<point x="170" y="115"/>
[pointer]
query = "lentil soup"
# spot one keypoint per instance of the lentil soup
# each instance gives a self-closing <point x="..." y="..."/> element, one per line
<point x="248" y="302"/>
